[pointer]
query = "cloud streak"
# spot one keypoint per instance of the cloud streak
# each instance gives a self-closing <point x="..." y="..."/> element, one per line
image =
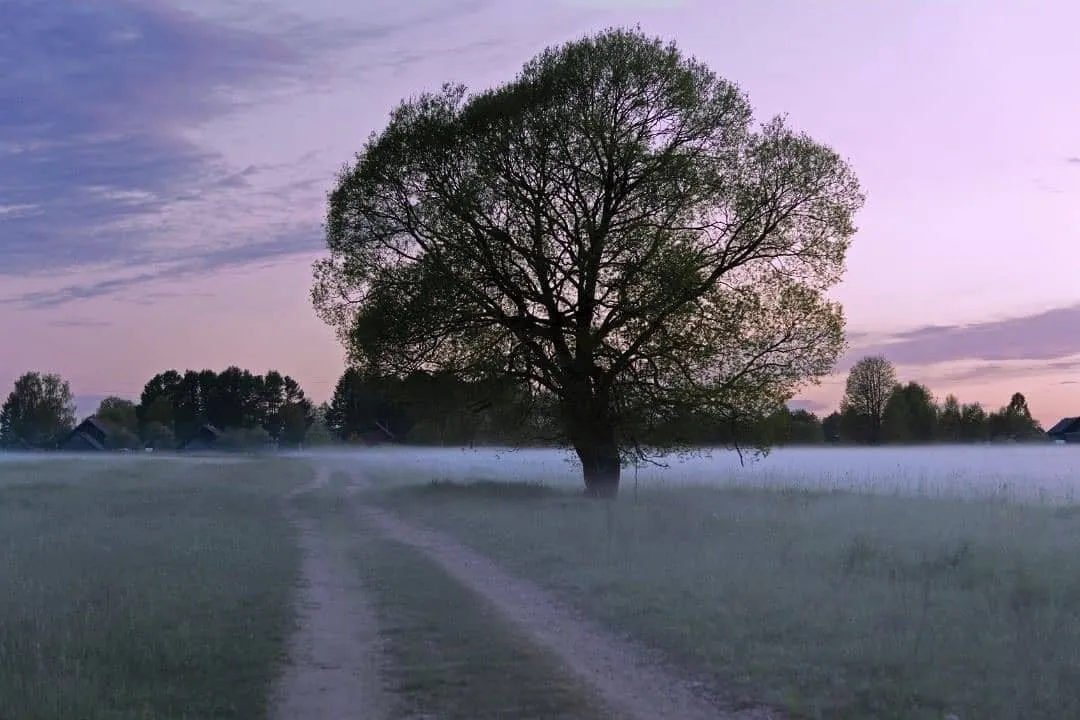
<point x="95" y="102"/>
<point x="1048" y="335"/>
<point x="230" y="257"/>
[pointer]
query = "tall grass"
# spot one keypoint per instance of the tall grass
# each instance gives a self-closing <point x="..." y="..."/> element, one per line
<point x="142" y="589"/>
<point x="829" y="604"/>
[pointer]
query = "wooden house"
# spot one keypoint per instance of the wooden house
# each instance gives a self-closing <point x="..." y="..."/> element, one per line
<point x="91" y="435"/>
<point x="205" y="438"/>
<point x="1066" y="430"/>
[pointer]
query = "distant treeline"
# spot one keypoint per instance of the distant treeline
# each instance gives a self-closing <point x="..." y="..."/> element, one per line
<point x="437" y="409"/>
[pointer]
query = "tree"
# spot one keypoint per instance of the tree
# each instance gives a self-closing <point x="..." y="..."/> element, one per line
<point x="832" y="427"/>
<point x="295" y="419"/>
<point x="158" y="436"/>
<point x="1014" y="421"/>
<point x="608" y="229"/>
<point x="974" y="423"/>
<point x="361" y="401"/>
<point x="951" y="420"/>
<point x="38" y="412"/>
<point x="910" y="415"/>
<point x="869" y="385"/>
<point x="318" y="433"/>
<point x="896" y="419"/>
<point x="118" y="414"/>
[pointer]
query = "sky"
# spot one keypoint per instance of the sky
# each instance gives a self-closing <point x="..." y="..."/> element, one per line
<point x="164" y="169"/>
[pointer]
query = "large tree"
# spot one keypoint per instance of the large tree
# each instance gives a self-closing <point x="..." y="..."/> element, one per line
<point x="609" y="229"/>
<point x="37" y="413"/>
<point x="870" y="384"/>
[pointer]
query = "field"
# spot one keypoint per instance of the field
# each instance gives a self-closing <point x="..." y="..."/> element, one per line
<point x="922" y="595"/>
<point x="142" y="589"/>
<point x="828" y="584"/>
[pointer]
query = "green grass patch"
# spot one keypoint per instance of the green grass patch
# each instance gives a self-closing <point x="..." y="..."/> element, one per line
<point x="143" y="589"/>
<point x="830" y="605"/>
<point x="449" y="654"/>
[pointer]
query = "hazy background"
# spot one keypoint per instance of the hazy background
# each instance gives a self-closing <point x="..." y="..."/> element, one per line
<point x="163" y="168"/>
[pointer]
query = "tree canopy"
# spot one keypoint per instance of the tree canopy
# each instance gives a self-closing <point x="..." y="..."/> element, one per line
<point x="610" y="230"/>
<point x="870" y="384"/>
<point x="37" y="413"/>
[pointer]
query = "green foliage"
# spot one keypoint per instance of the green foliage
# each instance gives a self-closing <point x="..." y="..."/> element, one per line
<point x="609" y="230"/>
<point x="233" y="398"/>
<point x="870" y="383"/>
<point x="244" y="439"/>
<point x="908" y="413"/>
<point x="158" y="436"/>
<point x="37" y="413"/>
<point x="121" y="418"/>
<point x="120" y="438"/>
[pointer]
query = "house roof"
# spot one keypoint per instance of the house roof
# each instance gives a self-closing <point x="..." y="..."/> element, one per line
<point x="1065" y="425"/>
<point x="94" y="423"/>
<point x="85" y="436"/>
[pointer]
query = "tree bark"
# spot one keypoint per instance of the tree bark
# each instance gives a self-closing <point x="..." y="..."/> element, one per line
<point x="592" y="434"/>
<point x="601" y="466"/>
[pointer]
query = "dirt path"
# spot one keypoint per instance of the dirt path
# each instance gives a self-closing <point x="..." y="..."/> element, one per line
<point x="334" y="654"/>
<point x="619" y="672"/>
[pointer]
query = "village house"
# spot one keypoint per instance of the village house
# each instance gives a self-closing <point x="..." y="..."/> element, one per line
<point x="1066" y="430"/>
<point x="91" y="435"/>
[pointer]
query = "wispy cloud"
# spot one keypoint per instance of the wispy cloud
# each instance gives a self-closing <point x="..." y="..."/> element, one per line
<point x="209" y="261"/>
<point x="73" y="323"/>
<point x="93" y="102"/>
<point x="102" y="164"/>
<point x="1048" y="335"/>
<point x="1073" y="160"/>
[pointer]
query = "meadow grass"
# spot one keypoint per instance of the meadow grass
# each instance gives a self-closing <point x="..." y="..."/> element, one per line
<point x="137" y="588"/>
<point x="448" y="655"/>
<point x="827" y="604"/>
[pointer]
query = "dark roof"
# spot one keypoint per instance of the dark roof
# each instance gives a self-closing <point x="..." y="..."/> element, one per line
<point x="84" y="436"/>
<point x="93" y="421"/>
<point x="1065" y="426"/>
<point x="205" y="434"/>
<point x="94" y="427"/>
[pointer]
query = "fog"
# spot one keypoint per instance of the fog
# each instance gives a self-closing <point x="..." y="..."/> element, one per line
<point x="1042" y="473"/>
<point x="1035" y="473"/>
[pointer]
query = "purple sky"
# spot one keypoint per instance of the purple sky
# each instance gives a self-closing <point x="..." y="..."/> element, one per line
<point x="163" y="168"/>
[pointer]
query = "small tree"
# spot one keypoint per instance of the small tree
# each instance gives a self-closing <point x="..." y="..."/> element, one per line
<point x="158" y="436"/>
<point x="609" y="229"/>
<point x="869" y="385"/>
<point x="118" y="414"/>
<point x="37" y="413"/>
<point x="950" y="420"/>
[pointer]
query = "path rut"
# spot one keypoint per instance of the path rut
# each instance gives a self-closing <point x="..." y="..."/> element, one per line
<point x="621" y="673"/>
<point x="334" y="654"/>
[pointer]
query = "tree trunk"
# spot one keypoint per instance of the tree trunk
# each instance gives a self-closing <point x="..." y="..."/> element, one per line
<point x="590" y="427"/>
<point x="601" y="466"/>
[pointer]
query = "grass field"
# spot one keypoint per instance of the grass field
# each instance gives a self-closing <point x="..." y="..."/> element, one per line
<point x="154" y="588"/>
<point x="830" y="605"/>
<point x="147" y="589"/>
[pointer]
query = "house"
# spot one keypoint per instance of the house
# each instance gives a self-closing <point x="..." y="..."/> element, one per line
<point x="91" y="435"/>
<point x="205" y="438"/>
<point x="1066" y="430"/>
<point x="378" y="435"/>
